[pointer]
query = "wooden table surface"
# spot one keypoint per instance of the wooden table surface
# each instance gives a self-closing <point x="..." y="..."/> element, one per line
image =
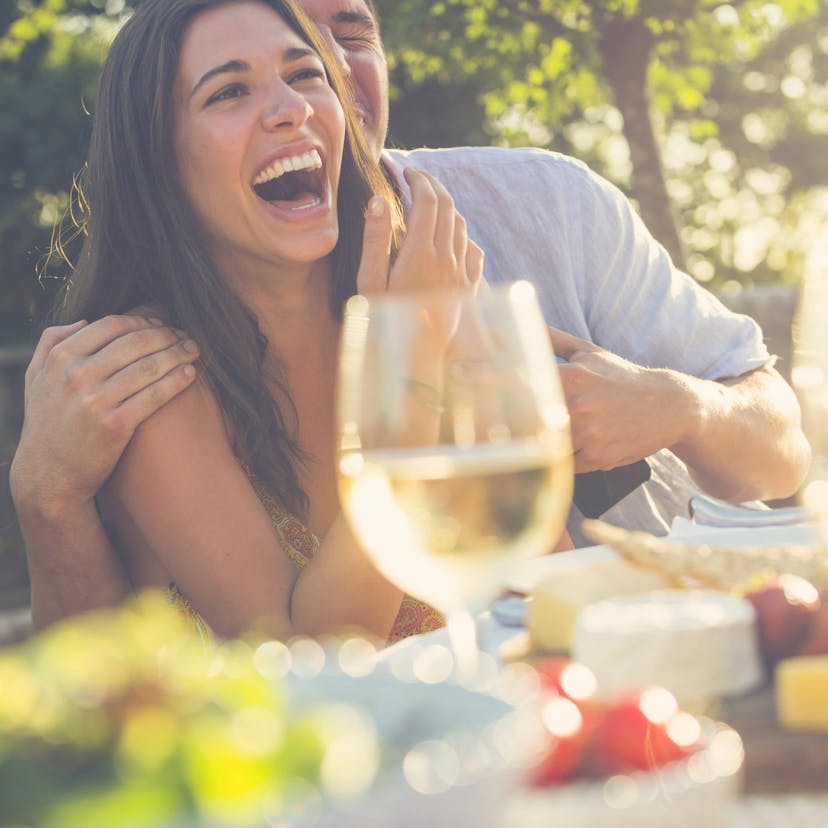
<point x="776" y="760"/>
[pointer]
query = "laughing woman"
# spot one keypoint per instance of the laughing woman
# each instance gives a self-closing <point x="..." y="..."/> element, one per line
<point x="228" y="191"/>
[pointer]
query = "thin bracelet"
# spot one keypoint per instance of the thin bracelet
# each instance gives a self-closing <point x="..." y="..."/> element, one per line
<point x="427" y="395"/>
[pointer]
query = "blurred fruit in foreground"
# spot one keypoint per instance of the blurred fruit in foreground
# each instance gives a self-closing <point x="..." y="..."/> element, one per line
<point x="637" y="731"/>
<point x="568" y="744"/>
<point x="816" y="642"/>
<point x="801" y="691"/>
<point x="126" y="717"/>
<point x="644" y="731"/>
<point x="786" y="607"/>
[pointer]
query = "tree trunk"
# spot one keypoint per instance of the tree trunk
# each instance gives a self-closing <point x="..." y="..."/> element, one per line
<point x="625" y="46"/>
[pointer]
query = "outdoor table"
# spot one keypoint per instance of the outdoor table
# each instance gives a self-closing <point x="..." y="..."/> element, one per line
<point x="785" y="773"/>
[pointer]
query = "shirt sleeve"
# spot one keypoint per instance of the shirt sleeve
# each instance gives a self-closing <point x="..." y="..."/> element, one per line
<point x="639" y="305"/>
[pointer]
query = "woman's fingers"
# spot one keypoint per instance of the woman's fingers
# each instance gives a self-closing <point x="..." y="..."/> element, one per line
<point x="474" y="264"/>
<point x="446" y="226"/>
<point x="436" y="252"/>
<point x="421" y="222"/>
<point x="372" y="276"/>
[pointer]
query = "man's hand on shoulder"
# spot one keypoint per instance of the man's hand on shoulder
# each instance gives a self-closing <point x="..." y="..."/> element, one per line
<point x="88" y="387"/>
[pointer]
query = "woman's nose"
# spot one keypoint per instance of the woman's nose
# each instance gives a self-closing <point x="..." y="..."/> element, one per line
<point x="286" y="108"/>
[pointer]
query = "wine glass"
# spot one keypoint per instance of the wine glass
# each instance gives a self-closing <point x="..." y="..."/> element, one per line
<point x="455" y="459"/>
<point x="809" y="377"/>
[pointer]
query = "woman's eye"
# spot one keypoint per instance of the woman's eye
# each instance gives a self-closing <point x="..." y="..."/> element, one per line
<point x="234" y="90"/>
<point x="307" y="74"/>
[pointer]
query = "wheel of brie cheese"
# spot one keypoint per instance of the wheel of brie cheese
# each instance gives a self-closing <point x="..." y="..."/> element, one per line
<point x="699" y="644"/>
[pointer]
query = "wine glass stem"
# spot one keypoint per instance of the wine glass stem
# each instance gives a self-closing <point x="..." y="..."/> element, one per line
<point x="463" y="635"/>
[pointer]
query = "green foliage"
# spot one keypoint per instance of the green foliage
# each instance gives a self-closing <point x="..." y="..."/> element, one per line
<point x="536" y="71"/>
<point x="50" y="56"/>
<point x="487" y="71"/>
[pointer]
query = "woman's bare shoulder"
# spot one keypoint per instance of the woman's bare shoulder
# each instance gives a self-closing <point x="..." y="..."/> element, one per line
<point x="195" y="407"/>
<point x="183" y="438"/>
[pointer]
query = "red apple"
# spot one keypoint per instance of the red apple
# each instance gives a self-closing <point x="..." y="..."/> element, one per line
<point x="817" y="641"/>
<point x="785" y="607"/>
<point x="643" y="731"/>
<point x="568" y="742"/>
<point x="564" y="677"/>
<point x="569" y="715"/>
<point x="568" y="678"/>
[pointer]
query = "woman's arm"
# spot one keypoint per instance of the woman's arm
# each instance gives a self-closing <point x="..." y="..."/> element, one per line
<point x="183" y="506"/>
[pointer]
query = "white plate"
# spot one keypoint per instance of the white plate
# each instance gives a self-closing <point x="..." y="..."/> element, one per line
<point x="450" y="755"/>
<point x="759" y="536"/>
<point x="531" y="572"/>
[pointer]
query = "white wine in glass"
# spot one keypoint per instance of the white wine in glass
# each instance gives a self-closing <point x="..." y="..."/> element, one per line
<point x="455" y="460"/>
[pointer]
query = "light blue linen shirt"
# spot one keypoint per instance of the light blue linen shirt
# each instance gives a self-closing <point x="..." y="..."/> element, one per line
<point x="599" y="275"/>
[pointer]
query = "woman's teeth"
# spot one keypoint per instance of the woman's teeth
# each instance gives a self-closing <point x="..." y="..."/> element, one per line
<point x="310" y="160"/>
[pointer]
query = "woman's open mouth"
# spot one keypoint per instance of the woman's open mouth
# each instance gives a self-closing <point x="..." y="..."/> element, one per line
<point x="293" y="183"/>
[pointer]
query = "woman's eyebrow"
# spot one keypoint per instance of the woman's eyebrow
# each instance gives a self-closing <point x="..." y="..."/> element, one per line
<point x="289" y="56"/>
<point x="230" y="66"/>
<point x="298" y="52"/>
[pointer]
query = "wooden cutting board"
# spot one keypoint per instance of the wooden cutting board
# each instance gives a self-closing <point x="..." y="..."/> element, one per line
<point x="776" y="760"/>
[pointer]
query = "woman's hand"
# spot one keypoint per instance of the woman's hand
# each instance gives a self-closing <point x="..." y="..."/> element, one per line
<point x="436" y="253"/>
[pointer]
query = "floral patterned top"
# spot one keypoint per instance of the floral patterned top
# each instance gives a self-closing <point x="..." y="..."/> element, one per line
<point x="300" y="545"/>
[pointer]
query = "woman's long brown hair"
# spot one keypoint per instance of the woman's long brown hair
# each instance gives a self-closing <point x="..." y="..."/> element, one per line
<point x="144" y="246"/>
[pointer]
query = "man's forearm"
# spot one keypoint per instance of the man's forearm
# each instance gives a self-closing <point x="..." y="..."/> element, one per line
<point x="747" y="442"/>
<point x="88" y="387"/>
<point x="73" y="567"/>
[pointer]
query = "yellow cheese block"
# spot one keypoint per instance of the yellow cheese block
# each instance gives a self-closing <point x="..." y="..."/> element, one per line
<point x="802" y="693"/>
<point x="557" y="600"/>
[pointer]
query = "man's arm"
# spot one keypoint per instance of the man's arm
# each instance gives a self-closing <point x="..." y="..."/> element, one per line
<point x="88" y="387"/>
<point x="740" y="437"/>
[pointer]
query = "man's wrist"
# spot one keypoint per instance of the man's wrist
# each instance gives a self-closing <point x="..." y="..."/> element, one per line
<point x="39" y="510"/>
<point x="686" y="406"/>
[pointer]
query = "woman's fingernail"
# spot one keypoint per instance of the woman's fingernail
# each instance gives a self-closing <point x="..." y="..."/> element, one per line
<point x="190" y="346"/>
<point x="154" y="320"/>
<point x="180" y="334"/>
<point x="376" y="206"/>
